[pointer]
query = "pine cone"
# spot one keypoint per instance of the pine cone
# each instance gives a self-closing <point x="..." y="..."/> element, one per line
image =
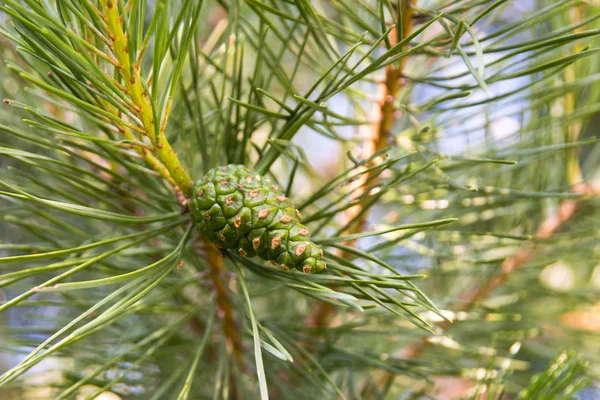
<point x="238" y="209"/>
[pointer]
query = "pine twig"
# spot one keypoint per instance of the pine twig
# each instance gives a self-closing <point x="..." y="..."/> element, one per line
<point x="545" y="230"/>
<point x="380" y="135"/>
<point x="139" y="97"/>
<point x="385" y="117"/>
<point x="574" y="128"/>
<point x="231" y="330"/>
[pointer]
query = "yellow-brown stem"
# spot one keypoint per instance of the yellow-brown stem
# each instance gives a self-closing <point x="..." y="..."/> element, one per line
<point x="385" y="117"/>
<point x="574" y="128"/>
<point x="231" y="330"/>
<point x="380" y="134"/>
<point x="139" y="98"/>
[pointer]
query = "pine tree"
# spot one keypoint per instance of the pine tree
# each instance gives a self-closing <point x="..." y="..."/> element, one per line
<point x="440" y="153"/>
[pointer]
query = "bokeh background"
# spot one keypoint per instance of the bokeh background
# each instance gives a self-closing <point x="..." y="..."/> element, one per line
<point x="553" y="303"/>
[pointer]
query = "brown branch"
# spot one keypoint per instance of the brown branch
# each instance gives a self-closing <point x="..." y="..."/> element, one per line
<point x="225" y="310"/>
<point x="385" y="117"/>
<point x="574" y="128"/>
<point x="545" y="230"/>
<point x="378" y="139"/>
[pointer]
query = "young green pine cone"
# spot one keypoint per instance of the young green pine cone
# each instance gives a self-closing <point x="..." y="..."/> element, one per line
<point x="238" y="209"/>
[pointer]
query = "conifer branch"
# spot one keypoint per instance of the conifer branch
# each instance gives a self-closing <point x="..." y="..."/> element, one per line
<point x="377" y="140"/>
<point x="549" y="226"/>
<point x="546" y="229"/>
<point x="574" y="128"/>
<point x="231" y="330"/>
<point x="139" y="97"/>
<point x="505" y="103"/>
<point x="385" y="117"/>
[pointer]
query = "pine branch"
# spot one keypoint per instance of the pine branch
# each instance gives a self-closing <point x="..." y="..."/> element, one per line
<point x="574" y="129"/>
<point x="231" y="329"/>
<point x="385" y="117"/>
<point x="488" y="134"/>
<point x="140" y="98"/>
<point x="380" y="135"/>
<point x="545" y="230"/>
